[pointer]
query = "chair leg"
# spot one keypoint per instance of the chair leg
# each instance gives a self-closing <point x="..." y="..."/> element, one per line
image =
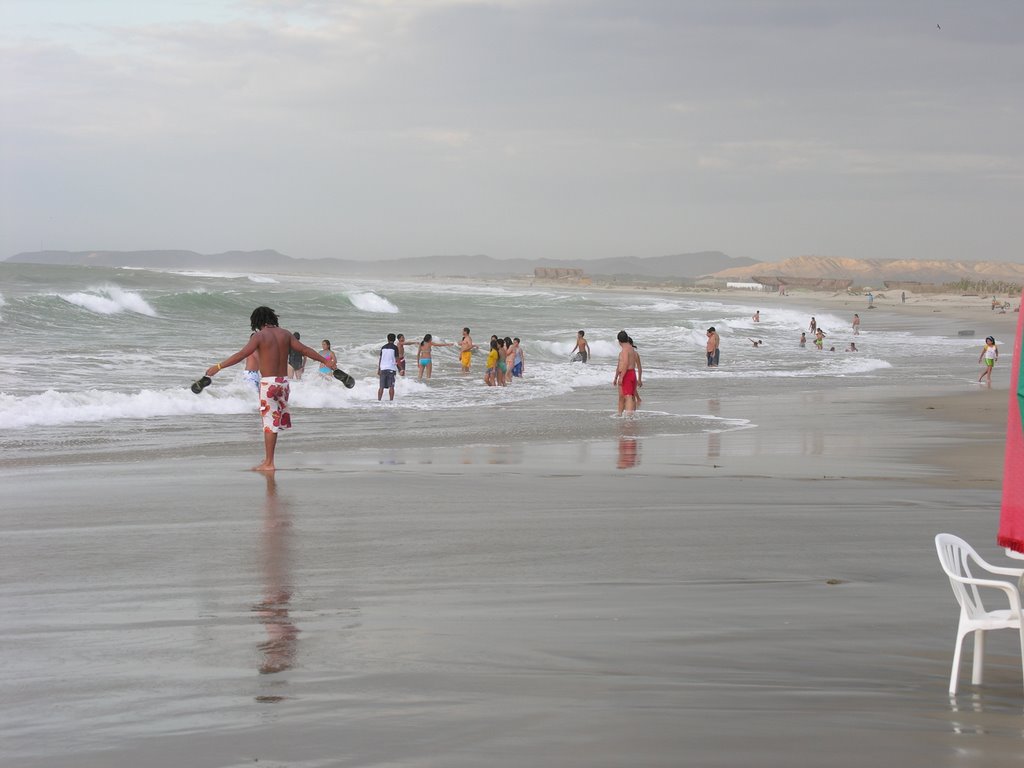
<point x="979" y="656"/>
<point x="954" y="675"/>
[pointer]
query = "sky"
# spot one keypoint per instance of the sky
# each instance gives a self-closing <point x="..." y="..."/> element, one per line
<point x="379" y="129"/>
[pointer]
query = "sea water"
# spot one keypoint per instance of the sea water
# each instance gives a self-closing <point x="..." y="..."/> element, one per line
<point x="95" y="363"/>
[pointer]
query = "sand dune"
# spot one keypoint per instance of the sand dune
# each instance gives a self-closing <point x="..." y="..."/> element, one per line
<point x="877" y="270"/>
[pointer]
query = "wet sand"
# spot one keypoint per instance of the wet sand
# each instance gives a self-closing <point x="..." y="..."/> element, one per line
<point x="764" y="597"/>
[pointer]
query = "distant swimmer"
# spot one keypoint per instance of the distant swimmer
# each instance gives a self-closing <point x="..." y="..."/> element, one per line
<point x="856" y="324"/>
<point x="581" y="352"/>
<point x="625" y="375"/>
<point x="466" y="347"/>
<point x="989" y="355"/>
<point x="756" y="343"/>
<point x="803" y="339"/>
<point x="272" y="344"/>
<point x="757" y="316"/>
<point x="813" y="326"/>
<point x="425" y="355"/>
<point x="852" y="348"/>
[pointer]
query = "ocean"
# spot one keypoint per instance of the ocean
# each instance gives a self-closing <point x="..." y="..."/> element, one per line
<point x="96" y="363"/>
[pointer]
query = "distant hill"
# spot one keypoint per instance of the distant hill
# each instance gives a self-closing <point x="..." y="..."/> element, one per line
<point x="874" y="271"/>
<point x="678" y="266"/>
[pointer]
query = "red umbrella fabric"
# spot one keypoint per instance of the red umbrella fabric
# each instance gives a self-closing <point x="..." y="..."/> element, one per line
<point x="1011" y="518"/>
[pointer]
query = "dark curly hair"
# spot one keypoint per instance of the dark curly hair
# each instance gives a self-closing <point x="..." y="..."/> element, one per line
<point x="262" y="316"/>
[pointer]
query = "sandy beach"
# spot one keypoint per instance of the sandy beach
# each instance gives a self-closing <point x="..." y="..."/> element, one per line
<point x="768" y="596"/>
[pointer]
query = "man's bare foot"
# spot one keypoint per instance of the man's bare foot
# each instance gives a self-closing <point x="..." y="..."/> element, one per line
<point x="264" y="467"/>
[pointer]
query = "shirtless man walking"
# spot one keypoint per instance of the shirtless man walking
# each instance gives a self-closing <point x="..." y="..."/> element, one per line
<point x="625" y="374"/>
<point x="272" y="344"/>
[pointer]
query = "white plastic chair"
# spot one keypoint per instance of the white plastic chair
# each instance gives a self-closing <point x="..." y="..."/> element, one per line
<point x="956" y="556"/>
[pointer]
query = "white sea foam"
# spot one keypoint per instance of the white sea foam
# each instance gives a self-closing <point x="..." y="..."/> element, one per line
<point x="261" y="279"/>
<point x="53" y="408"/>
<point x="109" y="300"/>
<point x="2" y="302"/>
<point x="368" y="301"/>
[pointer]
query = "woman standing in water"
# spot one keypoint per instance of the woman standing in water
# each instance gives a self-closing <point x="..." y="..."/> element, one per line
<point x="425" y="357"/>
<point x="329" y="356"/>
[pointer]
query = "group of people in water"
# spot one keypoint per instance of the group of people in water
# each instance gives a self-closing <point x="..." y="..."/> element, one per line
<point x="273" y="356"/>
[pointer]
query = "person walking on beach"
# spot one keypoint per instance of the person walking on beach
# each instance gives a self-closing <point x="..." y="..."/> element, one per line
<point x="466" y="347"/>
<point x="581" y="352"/>
<point x="272" y="343"/>
<point x="989" y="355"/>
<point x="296" y="362"/>
<point x="387" y="368"/>
<point x="625" y="375"/>
<point x="330" y="360"/>
<point x="856" y="324"/>
<point x="712" y="347"/>
<point x="425" y="355"/>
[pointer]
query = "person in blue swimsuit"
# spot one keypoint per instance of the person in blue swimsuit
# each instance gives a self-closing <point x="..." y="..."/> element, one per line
<point x="425" y="358"/>
<point x="330" y="356"/>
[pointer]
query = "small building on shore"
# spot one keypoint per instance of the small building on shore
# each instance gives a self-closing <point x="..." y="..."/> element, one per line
<point x="783" y="283"/>
<point x="562" y="274"/>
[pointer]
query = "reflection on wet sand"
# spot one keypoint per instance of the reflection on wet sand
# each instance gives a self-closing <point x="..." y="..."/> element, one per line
<point x="714" y="436"/>
<point x="278" y="651"/>
<point x="629" y="446"/>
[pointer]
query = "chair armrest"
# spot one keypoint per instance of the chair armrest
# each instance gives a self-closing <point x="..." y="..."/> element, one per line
<point x="1015" y="572"/>
<point x="1012" y="593"/>
<point x="997" y="569"/>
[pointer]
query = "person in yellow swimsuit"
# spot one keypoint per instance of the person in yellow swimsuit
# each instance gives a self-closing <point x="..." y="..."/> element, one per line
<point x="491" y="374"/>
<point x="466" y="347"/>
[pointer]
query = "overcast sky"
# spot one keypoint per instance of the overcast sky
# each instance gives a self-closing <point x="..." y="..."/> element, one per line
<point x="375" y="129"/>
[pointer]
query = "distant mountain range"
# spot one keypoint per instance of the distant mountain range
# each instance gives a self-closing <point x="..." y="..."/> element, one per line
<point x="874" y="271"/>
<point x="679" y="266"/>
<point x="683" y="266"/>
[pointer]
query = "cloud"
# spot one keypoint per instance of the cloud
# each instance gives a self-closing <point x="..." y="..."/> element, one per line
<point x="277" y="114"/>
